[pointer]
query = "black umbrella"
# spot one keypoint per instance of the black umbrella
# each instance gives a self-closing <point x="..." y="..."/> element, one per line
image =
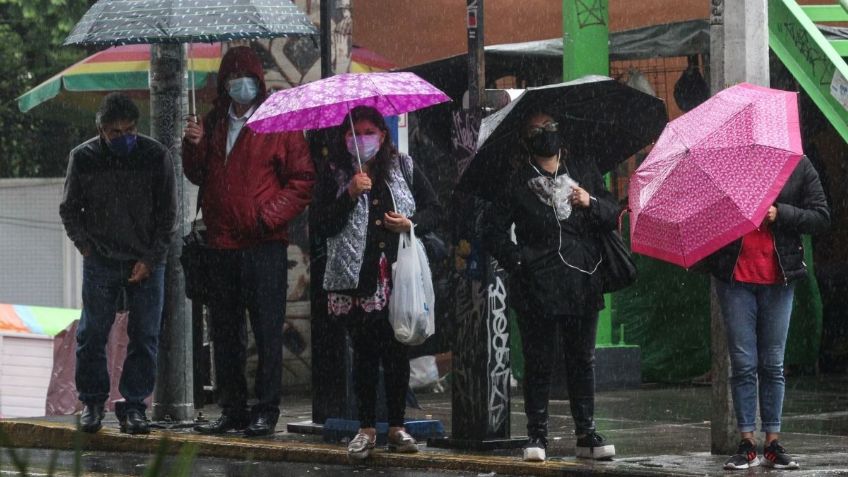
<point x="598" y="117"/>
<point x="120" y="22"/>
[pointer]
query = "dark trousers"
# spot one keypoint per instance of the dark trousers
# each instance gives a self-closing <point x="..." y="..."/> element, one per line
<point x="374" y="344"/>
<point x="103" y="287"/>
<point x="539" y="334"/>
<point x="252" y="279"/>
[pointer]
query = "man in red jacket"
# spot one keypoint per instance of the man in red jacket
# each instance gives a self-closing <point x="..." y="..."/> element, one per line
<point x="252" y="185"/>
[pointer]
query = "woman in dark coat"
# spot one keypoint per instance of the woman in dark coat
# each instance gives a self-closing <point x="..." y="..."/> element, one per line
<point x="755" y="284"/>
<point x="362" y="212"/>
<point x="559" y="205"/>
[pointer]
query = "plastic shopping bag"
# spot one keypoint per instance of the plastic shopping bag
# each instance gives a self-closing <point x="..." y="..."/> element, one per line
<point x="411" y="304"/>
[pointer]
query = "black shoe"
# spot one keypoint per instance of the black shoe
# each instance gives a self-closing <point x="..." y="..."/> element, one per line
<point x="91" y="419"/>
<point x="593" y="446"/>
<point x="744" y="458"/>
<point x="534" y="450"/>
<point x="774" y="455"/>
<point x="135" y="422"/>
<point x="262" y="425"/>
<point x="224" y="423"/>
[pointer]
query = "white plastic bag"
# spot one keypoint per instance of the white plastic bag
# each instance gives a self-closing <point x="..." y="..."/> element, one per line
<point x="423" y="372"/>
<point x="411" y="304"/>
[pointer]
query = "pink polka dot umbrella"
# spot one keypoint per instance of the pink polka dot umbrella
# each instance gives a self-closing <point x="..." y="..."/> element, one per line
<point x="714" y="173"/>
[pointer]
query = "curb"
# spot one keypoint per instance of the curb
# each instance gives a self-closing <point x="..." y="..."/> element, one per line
<point x="57" y="435"/>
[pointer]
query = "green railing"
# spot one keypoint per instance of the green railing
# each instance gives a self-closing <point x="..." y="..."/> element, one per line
<point x="816" y="62"/>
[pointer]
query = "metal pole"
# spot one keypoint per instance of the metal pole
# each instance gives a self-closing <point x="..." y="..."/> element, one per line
<point x="476" y="56"/>
<point x="173" y="396"/>
<point x="738" y="52"/>
<point x="585" y="38"/>
<point x="326" y="37"/>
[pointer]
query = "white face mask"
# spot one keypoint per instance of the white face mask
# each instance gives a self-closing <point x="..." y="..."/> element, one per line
<point x="369" y="145"/>
<point x="243" y="90"/>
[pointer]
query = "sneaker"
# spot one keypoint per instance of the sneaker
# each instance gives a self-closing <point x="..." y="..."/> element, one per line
<point x="593" y="446"/>
<point x="744" y="458"/>
<point x="534" y="450"/>
<point x="774" y="455"/>
<point x="402" y="442"/>
<point x="361" y="446"/>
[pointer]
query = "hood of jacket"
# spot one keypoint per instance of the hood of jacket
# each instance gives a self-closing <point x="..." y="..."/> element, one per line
<point x="240" y="58"/>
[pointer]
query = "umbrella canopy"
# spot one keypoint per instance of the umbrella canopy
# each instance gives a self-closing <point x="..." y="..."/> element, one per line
<point x="714" y="173"/>
<point x="38" y="320"/>
<point x="111" y="22"/>
<point x="598" y="117"/>
<point x="326" y="102"/>
<point x="120" y="68"/>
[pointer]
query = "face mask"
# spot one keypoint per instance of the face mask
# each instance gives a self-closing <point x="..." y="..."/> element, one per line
<point x="123" y="145"/>
<point x="368" y="146"/>
<point x="545" y="144"/>
<point x="243" y="90"/>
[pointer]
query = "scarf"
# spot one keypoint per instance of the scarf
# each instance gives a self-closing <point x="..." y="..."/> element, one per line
<point x="554" y="193"/>
<point x="346" y="250"/>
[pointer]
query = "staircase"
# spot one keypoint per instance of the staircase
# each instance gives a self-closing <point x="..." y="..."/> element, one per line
<point x="816" y="62"/>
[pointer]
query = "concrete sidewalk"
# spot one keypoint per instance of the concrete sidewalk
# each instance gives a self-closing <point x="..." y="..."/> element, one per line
<point x="656" y="431"/>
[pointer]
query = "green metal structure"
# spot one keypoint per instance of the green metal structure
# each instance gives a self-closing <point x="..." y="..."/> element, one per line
<point x="816" y="62"/>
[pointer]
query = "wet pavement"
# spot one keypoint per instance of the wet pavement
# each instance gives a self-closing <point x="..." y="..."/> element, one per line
<point x="657" y="430"/>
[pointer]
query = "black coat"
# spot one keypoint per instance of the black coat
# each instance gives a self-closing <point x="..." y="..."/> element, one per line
<point x="333" y="210"/>
<point x="544" y="283"/>
<point x="801" y="209"/>
<point x="123" y="208"/>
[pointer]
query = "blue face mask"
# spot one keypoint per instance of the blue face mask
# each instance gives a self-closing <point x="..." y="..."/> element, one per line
<point x="243" y="90"/>
<point x="369" y="145"/>
<point x="123" y="145"/>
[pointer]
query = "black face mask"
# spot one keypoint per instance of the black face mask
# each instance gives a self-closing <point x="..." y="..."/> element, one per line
<point x="546" y="144"/>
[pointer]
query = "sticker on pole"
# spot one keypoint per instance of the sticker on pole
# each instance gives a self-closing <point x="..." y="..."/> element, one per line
<point x="839" y="88"/>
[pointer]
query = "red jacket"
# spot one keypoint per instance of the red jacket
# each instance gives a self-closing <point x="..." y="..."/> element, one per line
<point x="251" y="196"/>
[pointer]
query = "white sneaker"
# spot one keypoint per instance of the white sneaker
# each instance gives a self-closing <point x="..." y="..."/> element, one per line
<point x="593" y="446"/>
<point x="403" y="442"/>
<point x="361" y="446"/>
<point x="534" y="450"/>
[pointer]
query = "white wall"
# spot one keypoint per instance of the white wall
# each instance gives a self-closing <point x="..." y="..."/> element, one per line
<point x="38" y="264"/>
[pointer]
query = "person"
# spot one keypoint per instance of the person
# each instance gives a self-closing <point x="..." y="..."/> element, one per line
<point x="755" y="280"/>
<point x="364" y="209"/>
<point x="251" y="186"/>
<point x="558" y="204"/>
<point x="119" y="209"/>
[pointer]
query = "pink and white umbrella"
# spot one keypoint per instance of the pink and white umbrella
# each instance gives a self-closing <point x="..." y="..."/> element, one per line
<point x="714" y="173"/>
<point x="326" y="102"/>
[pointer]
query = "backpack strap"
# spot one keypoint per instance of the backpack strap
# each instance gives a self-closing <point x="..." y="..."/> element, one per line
<point x="406" y="168"/>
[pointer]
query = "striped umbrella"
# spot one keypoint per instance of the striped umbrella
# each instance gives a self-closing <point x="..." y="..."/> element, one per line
<point x="120" y="68"/>
<point x="39" y="320"/>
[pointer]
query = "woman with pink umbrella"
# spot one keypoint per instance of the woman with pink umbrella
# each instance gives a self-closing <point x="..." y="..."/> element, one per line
<point x="756" y="285"/>
<point x="368" y="196"/>
<point x="727" y="185"/>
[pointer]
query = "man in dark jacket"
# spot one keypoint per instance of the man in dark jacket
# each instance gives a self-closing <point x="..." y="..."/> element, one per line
<point x="252" y="185"/>
<point x="755" y="284"/>
<point x="119" y="210"/>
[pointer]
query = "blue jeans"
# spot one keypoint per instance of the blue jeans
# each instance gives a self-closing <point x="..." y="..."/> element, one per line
<point x="103" y="281"/>
<point x="756" y="320"/>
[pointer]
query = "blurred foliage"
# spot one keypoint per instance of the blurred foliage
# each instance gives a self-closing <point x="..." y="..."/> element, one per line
<point x="31" y="35"/>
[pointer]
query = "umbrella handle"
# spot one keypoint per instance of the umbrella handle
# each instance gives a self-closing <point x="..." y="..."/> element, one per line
<point x="193" y="109"/>
<point x="355" y="142"/>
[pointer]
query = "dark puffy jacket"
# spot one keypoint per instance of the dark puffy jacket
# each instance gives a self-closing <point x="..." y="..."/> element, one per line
<point x="544" y="282"/>
<point x="250" y="196"/>
<point x="801" y="209"/>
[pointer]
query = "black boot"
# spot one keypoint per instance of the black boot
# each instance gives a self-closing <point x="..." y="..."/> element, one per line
<point x="91" y="419"/>
<point x="263" y="424"/>
<point x="134" y="422"/>
<point x="227" y="421"/>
